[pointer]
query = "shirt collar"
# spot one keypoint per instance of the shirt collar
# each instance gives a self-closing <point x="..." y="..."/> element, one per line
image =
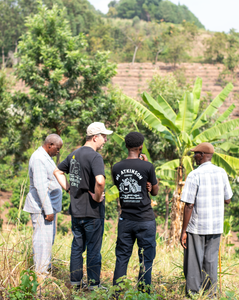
<point x="205" y="164"/>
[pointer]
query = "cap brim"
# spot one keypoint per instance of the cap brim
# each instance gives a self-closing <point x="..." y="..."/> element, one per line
<point x="107" y="132"/>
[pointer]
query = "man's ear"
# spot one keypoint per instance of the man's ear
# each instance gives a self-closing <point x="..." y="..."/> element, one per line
<point x="141" y="147"/>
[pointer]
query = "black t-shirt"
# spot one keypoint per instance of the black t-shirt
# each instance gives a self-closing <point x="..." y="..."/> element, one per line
<point x="130" y="176"/>
<point x="83" y="165"/>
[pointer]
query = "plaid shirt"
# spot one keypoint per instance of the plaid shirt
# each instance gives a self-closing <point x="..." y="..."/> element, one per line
<point x="45" y="192"/>
<point x="206" y="187"/>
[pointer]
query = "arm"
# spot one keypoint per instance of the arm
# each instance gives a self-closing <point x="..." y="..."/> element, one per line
<point x="227" y="201"/>
<point x="155" y="189"/>
<point x="41" y="184"/>
<point x="61" y="178"/>
<point x="98" y="196"/>
<point x="188" y="208"/>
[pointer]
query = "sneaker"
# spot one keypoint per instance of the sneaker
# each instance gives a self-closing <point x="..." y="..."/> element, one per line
<point x="94" y="287"/>
<point x="83" y="286"/>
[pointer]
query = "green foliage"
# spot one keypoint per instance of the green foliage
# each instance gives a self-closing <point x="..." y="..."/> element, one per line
<point x="13" y="216"/>
<point x="27" y="288"/>
<point x="153" y="10"/>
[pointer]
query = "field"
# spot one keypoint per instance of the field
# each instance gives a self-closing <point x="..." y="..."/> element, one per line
<point x="167" y="277"/>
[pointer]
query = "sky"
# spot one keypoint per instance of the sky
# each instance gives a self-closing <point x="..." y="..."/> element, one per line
<point x="215" y="15"/>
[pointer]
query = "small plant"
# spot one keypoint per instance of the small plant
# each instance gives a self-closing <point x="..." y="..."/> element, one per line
<point x="27" y="288"/>
<point x="6" y="204"/>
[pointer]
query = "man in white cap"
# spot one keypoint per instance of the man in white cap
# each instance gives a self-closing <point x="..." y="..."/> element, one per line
<point x="87" y="181"/>
<point x="206" y="190"/>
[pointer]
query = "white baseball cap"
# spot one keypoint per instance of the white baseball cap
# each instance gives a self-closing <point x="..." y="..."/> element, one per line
<point x="97" y="128"/>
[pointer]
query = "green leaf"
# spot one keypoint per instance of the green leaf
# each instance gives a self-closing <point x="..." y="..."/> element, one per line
<point x="186" y="138"/>
<point x="186" y="112"/>
<point x="227" y="146"/>
<point x="225" y="114"/>
<point x="166" y="174"/>
<point x="230" y="134"/>
<point x="213" y="107"/>
<point x="216" y="132"/>
<point x="171" y="165"/>
<point x="225" y="161"/>
<point x="159" y="112"/>
<point x="187" y="163"/>
<point x="150" y="119"/>
<point x="226" y="227"/>
<point x="112" y="194"/>
<point x="196" y="95"/>
<point x="169" y="112"/>
<point x="120" y="141"/>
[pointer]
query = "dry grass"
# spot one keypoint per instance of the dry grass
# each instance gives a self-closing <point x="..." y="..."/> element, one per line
<point x="167" y="279"/>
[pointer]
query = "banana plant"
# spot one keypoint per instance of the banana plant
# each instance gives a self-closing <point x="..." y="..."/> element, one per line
<point x="185" y="130"/>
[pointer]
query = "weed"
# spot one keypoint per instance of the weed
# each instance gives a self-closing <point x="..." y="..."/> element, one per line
<point x="27" y="288"/>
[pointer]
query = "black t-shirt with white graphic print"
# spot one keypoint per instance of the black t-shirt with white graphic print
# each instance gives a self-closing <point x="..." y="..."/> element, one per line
<point x="83" y="165"/>
<point x="131" y="176"/>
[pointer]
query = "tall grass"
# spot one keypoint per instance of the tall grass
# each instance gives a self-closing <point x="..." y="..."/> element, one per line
<point x="167" y="275"/>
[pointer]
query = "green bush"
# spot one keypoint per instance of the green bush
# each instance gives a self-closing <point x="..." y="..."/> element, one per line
<point x="12" y="216"/>
<point x="27" y="288"/>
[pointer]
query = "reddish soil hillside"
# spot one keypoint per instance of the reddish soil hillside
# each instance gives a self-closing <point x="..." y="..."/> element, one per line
<point x="133" y="79"/>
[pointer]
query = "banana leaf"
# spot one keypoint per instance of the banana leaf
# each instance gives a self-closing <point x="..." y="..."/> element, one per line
<point x="150" y="119"/>
<point x="196" y="95"/>
<point x="120" y="141"/>
<point x="213" y="107"/>
<point x="229" y="147"/>
<point x="112" y="194"/>
<point x="171" y="165"/>
<point x="230" y="134"/>
<point x="169" y="112"/>
<point x="166" y="174"/>
<point x="216" y="132"/>
<point x="224" y="162"/>
<point x="159" y="112"/>
<point x="187" y="163"/>
<point x="186" y="113"/>
<point x="225" y="114"/>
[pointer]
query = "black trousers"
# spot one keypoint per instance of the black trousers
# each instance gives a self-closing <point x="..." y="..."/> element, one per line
<point x="200" y="262"/>
<point x="128" y="232"/>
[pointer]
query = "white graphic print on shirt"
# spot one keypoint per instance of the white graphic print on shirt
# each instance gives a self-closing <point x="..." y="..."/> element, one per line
<point x="129" y="187"/>
<point x="74" y="172"/>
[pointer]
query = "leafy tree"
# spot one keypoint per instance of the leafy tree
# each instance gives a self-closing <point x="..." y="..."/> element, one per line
<point x="182" y="130"/>
<point x="215" y="47"/>
<point x="150" y="10"/>
<point x="56" y="68"/>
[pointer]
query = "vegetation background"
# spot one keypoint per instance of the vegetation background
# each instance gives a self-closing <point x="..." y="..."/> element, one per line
<point x="67" y="55"/>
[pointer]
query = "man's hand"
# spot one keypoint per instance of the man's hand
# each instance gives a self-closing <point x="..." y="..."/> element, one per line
<point x="143" y="157"/>
<point x="183" y="239"/>
<point x="93" y="196"/>
<point x="149" y="186"/>
<point x="49" y="218"/>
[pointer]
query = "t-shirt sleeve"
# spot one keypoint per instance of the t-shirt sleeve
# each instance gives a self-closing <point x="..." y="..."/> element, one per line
<point x="64" y="166"/>
<point x="152" y="176"/>
<point x="98" y="166"/>
<point x="190" y="190"/>
<point x="227" y="188"/>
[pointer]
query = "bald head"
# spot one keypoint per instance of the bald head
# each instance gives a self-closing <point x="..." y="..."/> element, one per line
<point x="53" y="139"/>
<point x="52" y="144"/>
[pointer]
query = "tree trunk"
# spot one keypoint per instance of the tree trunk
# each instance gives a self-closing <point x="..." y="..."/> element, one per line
<point x="167" y="191"/>
<point x="156" y="59"/>
<point x="3" y="58"/>
<point x="177" y="209"/>
<point x="135" y="51"/>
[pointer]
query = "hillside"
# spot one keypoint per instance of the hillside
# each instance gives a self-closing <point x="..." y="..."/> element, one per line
<point x="133" y="79"/>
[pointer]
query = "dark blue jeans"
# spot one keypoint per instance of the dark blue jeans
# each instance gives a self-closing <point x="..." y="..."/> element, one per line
<point x="88" y="234"/>
<point x="128" y="232"/>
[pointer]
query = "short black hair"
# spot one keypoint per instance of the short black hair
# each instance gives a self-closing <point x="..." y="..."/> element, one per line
<point x="134" y="139"/>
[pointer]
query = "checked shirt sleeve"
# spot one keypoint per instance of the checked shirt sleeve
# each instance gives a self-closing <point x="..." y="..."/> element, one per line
<point x="190" y="189"/>
<point x="41" y="183"/>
